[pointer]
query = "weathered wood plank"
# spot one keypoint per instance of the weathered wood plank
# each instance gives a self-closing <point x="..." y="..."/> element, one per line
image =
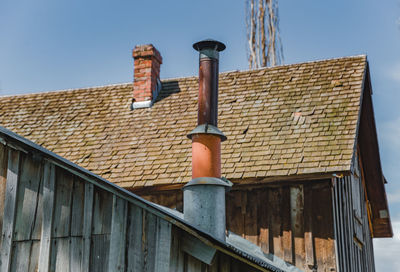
<point x="34" y="257"/>
<point x="286" y="226"/>
<point x="308" y="227"/>
<point x="149" y="240"/>
<point x="134" y="238"/>
<point x="87" y="226"/>
<point x="62" y="207"/>
<point x="297" y="221"/>
<point x="60" y="255"/>
<point x="117" y="241"/>
<point x="193" y="265"/>
<point x="177" y="256"/>
<point x="250" y="217"/>
<point x="275" y="197"/>
<point x="48" y="209"/>
<point x="224" y="263"/>
<point x="75" y="254"/>
<point x="99" y="252"/>
<point x="102" y="212"/>
<point x="27" y="199"/>
<point x="78" y="202"/>
<point x="263" y="222"/>
<point x="163" y="246"/>
<point x="21" y="256"/>
<point x="9" y="208"/>
<point x="3" y="183"/>
<point x="323" y="231"/>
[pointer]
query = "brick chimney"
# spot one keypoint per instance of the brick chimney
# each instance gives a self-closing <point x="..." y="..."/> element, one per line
<point x="146" y="83"/>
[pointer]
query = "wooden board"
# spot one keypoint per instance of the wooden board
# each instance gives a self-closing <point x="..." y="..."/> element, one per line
<point x="62" y="205"/>
<point x="77" y="209"/>
<point x="3" y="183"/>
<point x="9" y="209"/>
<point x="99" y="250"/>
<point x="27" y="199"/>
<point x="134" y="238"/>
<point x="102" y="212"/>
<point x="117" y="241"/>
<point x="48" y="210"/>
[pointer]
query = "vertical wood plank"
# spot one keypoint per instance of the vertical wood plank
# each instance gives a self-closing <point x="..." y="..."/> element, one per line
<point x="275" y="197"/>
<point x="323" y="229"/>
<point x="163" y="246"/>
<point x="9" y="208"/>
<point x="27" y="199"/>
<point x="308" y="228"/>
<point x="117" y="241"/>
<point x="177" y="257"/>
<point x="87" y="226"/>
<point x="34" y="257"/>
<point x="149" y="240"/>
<point x="21" y="256"/>
<point x="77" y="210"/>
<point x="3" y="183"/>
<point x="134" y="238"/>
<point x="297" y="220"/>
<point x="286" y="226"/>
<point x="60" y="255"/>
<point x="99" y="252"/>
<point x="102" y="212"/>
<point x="193" y="265"/>
<point x="75" y="258"/>
<point x="48" y="207"/>
<point x="263" y="224"/>
<point x="250" y="217"/>
<point x="224" y="263"/>
<point x="62" y="207"/>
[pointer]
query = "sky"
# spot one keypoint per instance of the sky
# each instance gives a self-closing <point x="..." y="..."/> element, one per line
<point x="51" y="45"/>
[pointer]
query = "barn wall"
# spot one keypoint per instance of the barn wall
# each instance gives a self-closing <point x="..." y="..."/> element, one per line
<point x="352" y="228"/>
<point x="53" y="220"/>
<point x="293" y="222"/>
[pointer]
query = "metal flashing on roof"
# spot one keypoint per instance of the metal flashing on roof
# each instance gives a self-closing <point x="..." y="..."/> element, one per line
<point x="207" y="129"/>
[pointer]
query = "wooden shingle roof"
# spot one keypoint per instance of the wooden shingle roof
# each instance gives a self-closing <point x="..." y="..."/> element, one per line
<point x="284" y="121"/>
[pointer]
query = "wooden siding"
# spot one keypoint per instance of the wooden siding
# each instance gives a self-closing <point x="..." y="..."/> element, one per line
<point x="293" y="222"/>
<point x="54" y="220"/>
<point x="352" y="228"/>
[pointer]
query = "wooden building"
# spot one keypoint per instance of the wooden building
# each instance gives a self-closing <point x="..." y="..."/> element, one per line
<point x="302" y="150"/>
<point x="57" y="216"/>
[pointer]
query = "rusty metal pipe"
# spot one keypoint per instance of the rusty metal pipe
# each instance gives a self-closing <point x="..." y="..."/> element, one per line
<point x="208" y="92"/>
<point x="204" y="195"/>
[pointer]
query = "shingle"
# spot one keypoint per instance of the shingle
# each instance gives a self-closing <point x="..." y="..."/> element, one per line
<point x="299" y="119"/>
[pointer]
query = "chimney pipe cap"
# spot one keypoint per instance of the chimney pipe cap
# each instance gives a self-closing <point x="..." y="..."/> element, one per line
<point x="209" y="44"/>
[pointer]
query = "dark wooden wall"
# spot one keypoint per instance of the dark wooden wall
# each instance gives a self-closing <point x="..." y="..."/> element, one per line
<point x="352" y="228"/>
<point x="293" y="222"/>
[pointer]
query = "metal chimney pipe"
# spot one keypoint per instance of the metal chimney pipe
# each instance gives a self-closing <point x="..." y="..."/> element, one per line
<point x="204" y="195"/>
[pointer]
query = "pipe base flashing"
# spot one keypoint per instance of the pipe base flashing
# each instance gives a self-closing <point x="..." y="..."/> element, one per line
<point x="207" y="129"/>
<point x="209" y="181"/>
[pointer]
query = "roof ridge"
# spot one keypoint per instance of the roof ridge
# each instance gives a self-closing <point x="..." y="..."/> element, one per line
<point x="68" y="90"/>
<point x="167" y="80"/>
<point x="296" y="63"/>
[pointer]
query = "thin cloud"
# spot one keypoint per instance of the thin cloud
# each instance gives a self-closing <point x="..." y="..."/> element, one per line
<point x="394" y="197"/>
<point x="391" y="131"/>
<point x="394" y="72"/>
<point x="387" y="250"/>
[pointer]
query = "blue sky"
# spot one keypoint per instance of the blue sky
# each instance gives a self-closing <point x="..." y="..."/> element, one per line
<point x="49" y="45"/>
